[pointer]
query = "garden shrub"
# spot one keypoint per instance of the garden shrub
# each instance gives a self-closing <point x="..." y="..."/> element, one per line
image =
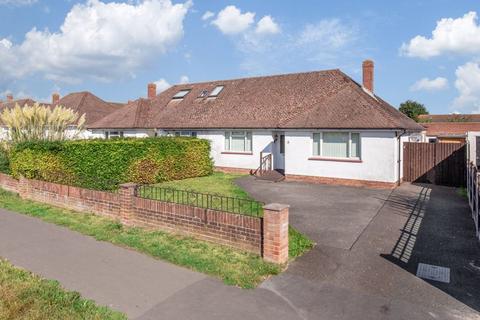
<point x="4" y="159"/>
<point x="103" y="164"/>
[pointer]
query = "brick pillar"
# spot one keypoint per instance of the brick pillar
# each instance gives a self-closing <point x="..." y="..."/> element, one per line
<point x="127" y="192"/>
<point x="275" y="233"/>
<point x="23" y="187"/>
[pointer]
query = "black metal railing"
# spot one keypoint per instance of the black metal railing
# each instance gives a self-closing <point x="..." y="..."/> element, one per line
<point x="202" y="200"/>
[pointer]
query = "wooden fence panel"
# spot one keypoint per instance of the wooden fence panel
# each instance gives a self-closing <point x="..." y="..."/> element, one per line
<point x="437" y="163"/>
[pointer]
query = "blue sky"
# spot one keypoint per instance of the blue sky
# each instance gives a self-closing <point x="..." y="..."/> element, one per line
<point x="428" y="51"/>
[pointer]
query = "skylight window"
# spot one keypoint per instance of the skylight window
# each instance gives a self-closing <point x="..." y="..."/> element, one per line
<point x="203" y="94"/>
<point x="181" y="94"/>
<point x="215" y="92"/>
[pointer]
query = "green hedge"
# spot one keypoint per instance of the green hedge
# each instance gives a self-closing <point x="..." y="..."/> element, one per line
<point x="103" y="164"/>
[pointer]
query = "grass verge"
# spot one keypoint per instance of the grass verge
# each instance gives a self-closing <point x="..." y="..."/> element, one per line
<point x="24" y="295"/>
<point x="234" y="267"/>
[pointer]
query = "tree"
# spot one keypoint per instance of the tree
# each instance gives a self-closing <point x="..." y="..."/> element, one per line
<point x="39" y="122"/>
<point x="412" y="109"/>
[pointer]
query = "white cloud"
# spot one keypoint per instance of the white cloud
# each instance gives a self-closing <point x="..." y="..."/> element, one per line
<point x="98" y="40"/>
<point x="325" y="44"/>
<point x="468" y="86"/>
<point x="267" y="25"/>
<point x="184" y="79"/>
<point x="162" y="85"/>
<point x="6" y="43"/>
<point x="207" y="15"/>
<point x="426" y="84"/>
<point x="18" y="2"/>
<point x="231" y="20"/>
<point x="458" y="36"/>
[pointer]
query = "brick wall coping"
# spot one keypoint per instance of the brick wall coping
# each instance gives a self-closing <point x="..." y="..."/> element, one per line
<point x="276" y="206"/>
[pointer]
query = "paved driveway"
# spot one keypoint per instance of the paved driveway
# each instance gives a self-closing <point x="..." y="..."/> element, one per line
<point x="332" y="216"/>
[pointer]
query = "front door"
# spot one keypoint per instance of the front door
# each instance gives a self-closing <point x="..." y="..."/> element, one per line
<point x="279" y="152"/>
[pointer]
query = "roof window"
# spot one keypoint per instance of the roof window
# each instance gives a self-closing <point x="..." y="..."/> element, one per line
<point x="181" y="94"/>
<point x="203" y="94"/>
<point x="215" y="92"/>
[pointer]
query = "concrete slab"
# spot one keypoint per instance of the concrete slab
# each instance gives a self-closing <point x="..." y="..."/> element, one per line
<point x="330" y="215"/>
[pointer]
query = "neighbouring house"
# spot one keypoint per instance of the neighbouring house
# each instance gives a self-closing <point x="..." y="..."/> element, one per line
<point x="314" y="126"/>
<point x="85" y="102"/>
<point x="449" y="128"/>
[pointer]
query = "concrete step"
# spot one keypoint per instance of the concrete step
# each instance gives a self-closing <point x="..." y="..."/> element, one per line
<point x="271" y="175"/>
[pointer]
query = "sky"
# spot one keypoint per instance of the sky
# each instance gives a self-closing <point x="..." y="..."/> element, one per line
<point x="428" y="51"/>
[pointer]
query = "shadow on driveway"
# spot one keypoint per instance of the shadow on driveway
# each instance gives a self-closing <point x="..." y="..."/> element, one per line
<point x="439" y="231"/>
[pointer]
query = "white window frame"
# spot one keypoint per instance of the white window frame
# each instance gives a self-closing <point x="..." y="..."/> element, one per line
<point x="184" y="133"/>
<point x="245" y="137"/>
<point x="109" y="134"/>
<point x="349" y="148"/>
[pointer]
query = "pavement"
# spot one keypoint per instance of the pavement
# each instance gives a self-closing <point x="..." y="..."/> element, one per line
<point x="370" y="275"/>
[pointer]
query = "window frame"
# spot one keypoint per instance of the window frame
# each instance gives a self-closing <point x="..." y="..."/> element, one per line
<point x="245" y="134"/>
<point x="185" y="133"/>
<point x="320" y="155"/>
<point x="177" y="95"/>
<point x="220" y="89"/>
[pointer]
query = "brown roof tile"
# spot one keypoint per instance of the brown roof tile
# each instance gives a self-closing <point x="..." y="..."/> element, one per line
<point x="450" y="129"/>
<point x="323" y="99"/>
<point x="449" y="118"/>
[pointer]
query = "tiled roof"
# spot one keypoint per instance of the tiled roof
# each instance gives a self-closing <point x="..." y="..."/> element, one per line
<point x="323" y="99"/>
<point x="449" y="118"/>
<point x="89" y="104"/>
<point x="86" y="103"/>
<point x="450" y="129"/>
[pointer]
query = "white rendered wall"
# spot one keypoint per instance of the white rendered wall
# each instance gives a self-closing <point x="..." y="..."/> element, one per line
<point x="262" y="141"/>
<point x="472" y="146"/>
<point x="378" y="157"/>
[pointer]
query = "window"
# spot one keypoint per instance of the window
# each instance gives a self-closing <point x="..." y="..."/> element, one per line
<point x="185" y="134"/>
<point x="181" y="94"/>
<point x="215" y="92"/>
<point x="238" y="141"/>
<point x="203" y="94"/>
<point x="113" y="134"/>
<point x="336" y="145"/>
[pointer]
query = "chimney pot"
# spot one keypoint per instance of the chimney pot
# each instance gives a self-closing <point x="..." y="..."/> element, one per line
<point x="9" y="97"/>
<point x="368" y="74"/>
<point x="152" y="90"/>
<point x="55" y="99"/>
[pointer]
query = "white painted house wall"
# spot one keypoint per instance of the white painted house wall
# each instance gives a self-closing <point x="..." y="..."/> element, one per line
<point x="472" y="146"/>
<point x="377" y="158"/>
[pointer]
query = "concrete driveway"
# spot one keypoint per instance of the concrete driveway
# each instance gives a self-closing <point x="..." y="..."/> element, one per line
<point x="332" y="216"/>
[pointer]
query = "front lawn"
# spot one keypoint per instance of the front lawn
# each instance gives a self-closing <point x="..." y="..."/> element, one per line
<point x="24" y="295"/>
<point x="233" y="266"/>
<point x="224" y="184"/>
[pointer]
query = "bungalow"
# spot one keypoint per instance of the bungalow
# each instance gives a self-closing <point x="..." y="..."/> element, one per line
<point x="85" y="102"/>
<point x="314" y="126"/>
<point x="451" y="128"/>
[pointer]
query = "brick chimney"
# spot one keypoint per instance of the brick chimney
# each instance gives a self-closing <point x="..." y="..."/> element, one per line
<point x="368" y="69"/>
<point x="9" y="97"/>
<point x="55" y="99"/>
<point x="152" y="90"/>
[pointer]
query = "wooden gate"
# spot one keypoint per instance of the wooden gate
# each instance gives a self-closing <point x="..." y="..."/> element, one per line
<point x="437" y="163"/>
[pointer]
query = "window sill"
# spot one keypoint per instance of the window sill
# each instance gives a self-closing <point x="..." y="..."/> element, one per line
<point x="238" y="152"/>
<point x="335" y="159"/>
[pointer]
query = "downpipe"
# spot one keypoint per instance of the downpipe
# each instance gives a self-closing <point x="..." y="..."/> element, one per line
<point x="399" y="160"/>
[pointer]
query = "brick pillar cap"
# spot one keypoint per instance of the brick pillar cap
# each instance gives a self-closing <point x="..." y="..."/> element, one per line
<point x="128" y="185"/>
<point x="276" y="206"/>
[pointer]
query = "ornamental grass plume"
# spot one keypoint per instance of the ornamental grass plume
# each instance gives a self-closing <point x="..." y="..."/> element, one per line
<point x="39" y="122"/>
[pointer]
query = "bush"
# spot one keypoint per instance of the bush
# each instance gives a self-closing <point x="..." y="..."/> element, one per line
<point x="103" y="164"/>
<point x="4" y="159"/>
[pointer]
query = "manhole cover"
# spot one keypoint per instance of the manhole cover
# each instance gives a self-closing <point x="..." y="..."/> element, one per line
<point x="436" y="273"/>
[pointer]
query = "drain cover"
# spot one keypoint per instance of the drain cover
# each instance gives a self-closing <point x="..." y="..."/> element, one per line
<point x="436" y="273"/>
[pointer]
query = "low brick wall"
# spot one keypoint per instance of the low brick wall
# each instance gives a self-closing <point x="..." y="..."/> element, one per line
<point x="8" y="183"/>
<point x="230" y="229"/>
<point x="69" y="197"/>
<point x="267" y="236"/>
